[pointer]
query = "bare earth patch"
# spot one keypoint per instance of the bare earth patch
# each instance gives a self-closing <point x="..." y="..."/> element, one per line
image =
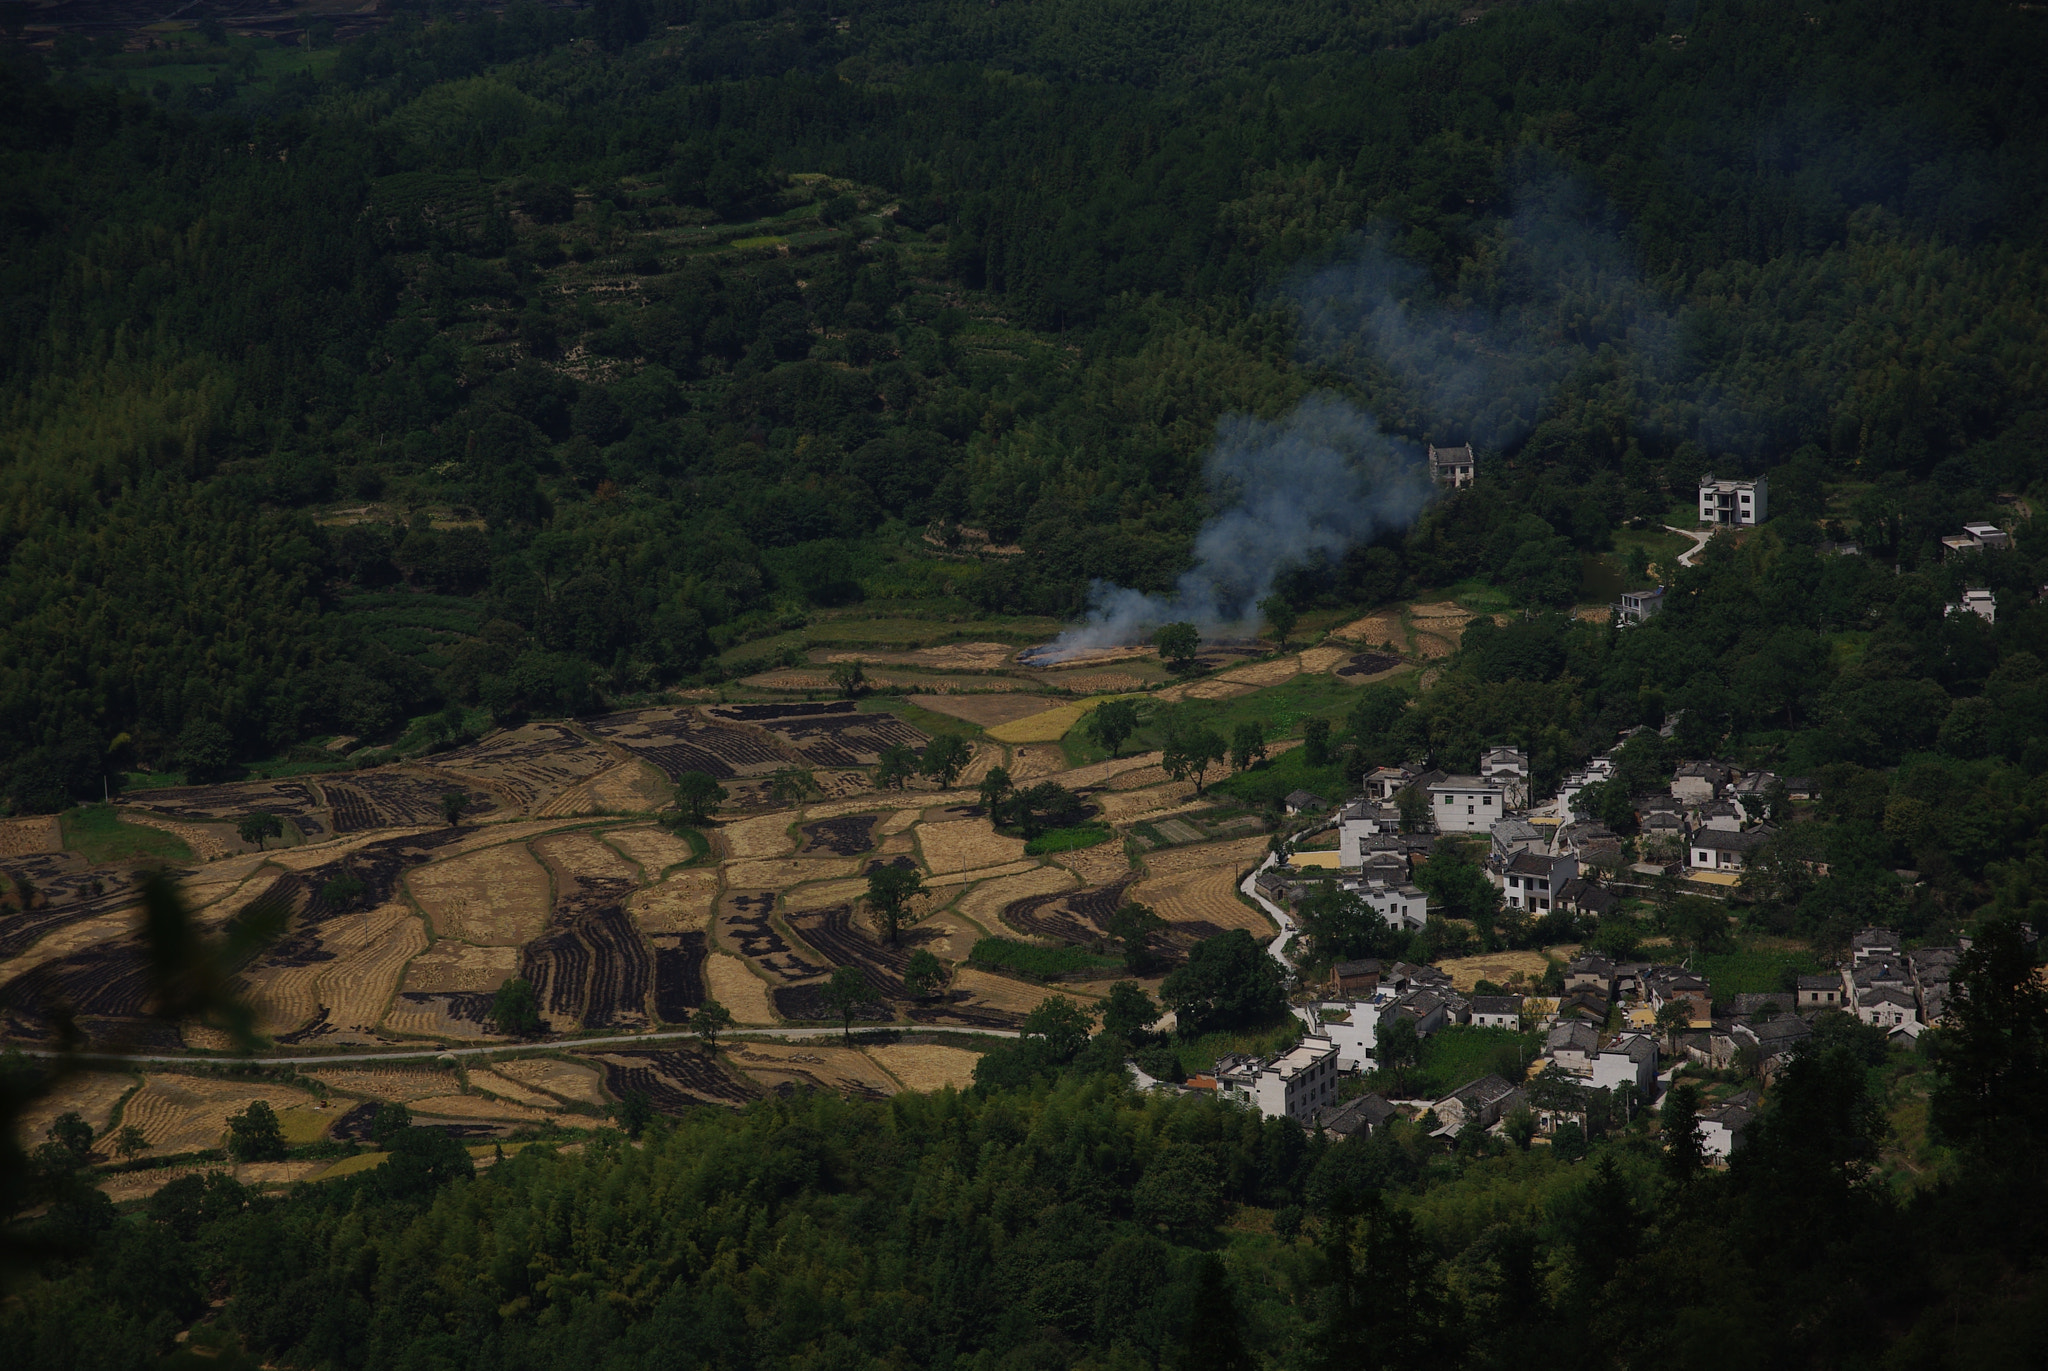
<point x="1264" y="673"/>
<point x="825" y="894"/>
<point x="653" y="849"/>
<point x="780" y="873"/>
<point x="985" y="902"/>
<point x="506" y="1088"/>
<point x="401" y="1083"/>
<point x="1498" y="967"/>
<point x="814" y="1064"/>
<point x="24" y="837"/>
<point x="1109" y="772"/>
<point x="983" y="873"/>
<point x="1096" y="865"/>
<point x="474" y="1107"/>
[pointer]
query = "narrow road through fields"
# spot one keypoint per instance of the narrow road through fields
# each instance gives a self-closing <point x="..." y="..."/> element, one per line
<point x="1699" y="543"/>
<point x="404" y="1054"/>
<point x="1278" y="947"/>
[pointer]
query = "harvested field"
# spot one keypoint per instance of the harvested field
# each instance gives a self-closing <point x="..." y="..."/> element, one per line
<point x="678" y="974"/>
<point x="766" y="836"/>
<point x="985" y="710"/>
<point x="450" y="965"/>
<point x="567" y="1080"/>
<point x="1214" y="688"/>
<point x="1096" y="682"/>
<point x="674" y="1081"/>
<point x="1375" y="629"/>
<point x="393" y="797"/>
<point x="897" y="844"/>
<point x="946" y="936"/>
<point x="779" y="873"/>
<point x="591" y="969"/>
<point x="679" y="904"/>
<point x="293" y="800"/>
<point x="1592" y="614"/>
<point x="189" y="1113"/>
<point x="1367" y="664"/>
<point x="473" y="1109"/>
<point x="846" y="836"/>
<point x="455" y="1014"/>
<point x="1096" y="865"/>
<point x="1264" y="673"/>
<point x="1430" y="647"/>
<point x="506" y="1088"/>
<point x="846" y="942"/>
<point x="92" y="1094"/>
<point x="680" y="740"/>
<point x="20" y="837"/>
<point x="368" y="958"/>
<point x="809" y="1004"/>
<point x="630" y="787"/>
<point x="900" y="820"/>
<point x="1205" y="900"/>
<point x="831" y="734"/>
<point x="1076" y="916"/>
<point x="1317" y="659"/>
<point x="985" y="903"/>
<point x="1140" y="779"/>
<point x="965" y="844"/>
<point x="1235" y="853"/>
<point x="1498" y="967"/>
<point x="951" y="657"/>
<point x="529" y="766"/>
<point x="927" y="1066"/>
<point x="46" y="936"/>
<point x="209" y="842"/>
<point x="981" y="873"/>
<point x="654" y="850"/>
<point x="820" y="894"/>
<point x="814" y="1066"/>
<point x="1440" y="610"/>
<point x="494" y="897"/>
<point x="403" y="1084"/>
<point x="1003" y="995"/>
<point x="730" y="983"/>
<point x="1123" y="808"/>
<point x="1045" y="726"/>
<point x="744" y="925"/>
<point x="1107" y="772"/>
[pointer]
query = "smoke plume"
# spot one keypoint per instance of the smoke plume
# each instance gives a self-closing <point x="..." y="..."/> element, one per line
<point x="1318" y="481"/>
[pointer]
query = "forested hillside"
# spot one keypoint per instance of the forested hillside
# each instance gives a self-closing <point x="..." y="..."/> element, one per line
<point x="614" y="337"/>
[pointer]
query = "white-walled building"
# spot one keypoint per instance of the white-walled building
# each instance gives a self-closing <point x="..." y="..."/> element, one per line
<point x="1508" y="768"/>
<point x="1734" y="502"/>
<point x="1532" y="880"/>
<point x="1638" y="605"/>
<point x="1452" y="466"/>
<point x="1403" y="906"/>
<point x="1979" y="602"/>
<point x="1465" y="804"/>
<point x="1630" y="1060"/>
<point x="1292" y="1085"/>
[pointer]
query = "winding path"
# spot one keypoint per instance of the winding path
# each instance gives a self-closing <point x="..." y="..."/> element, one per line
<point x="1278" y="947"/>
<point x="1699" y="543"/>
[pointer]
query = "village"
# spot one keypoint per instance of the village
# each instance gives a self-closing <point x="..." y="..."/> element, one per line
<point x="1615" y="1033"/>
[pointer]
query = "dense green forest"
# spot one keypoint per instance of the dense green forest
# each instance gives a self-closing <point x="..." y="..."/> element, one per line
<point x="1063" y="1220"/>
<point x="631" y="332"/>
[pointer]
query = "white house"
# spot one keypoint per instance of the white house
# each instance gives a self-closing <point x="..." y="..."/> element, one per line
<point x="1711" y="849"/>
<point x="1979" y="602"/>
<point x="1598" y="770"/>
<point x="1465" y="804"/>
<point x="1819" y="992"/>
<point x="1353" y="1025"/>
<point x="1697" y="782"/>
<point x="1451" y="466"/>
<point x="1534" y="881"/>
<point x="1386" y="782"/>
<point x="1722" y="1130"/>
<point x="1508" y="768"/>
<point x="1571" y="1045"/>
<point x="1975" y="538"/>
<point x="1496" y="1011"/>
<point x="1630" y="1060"/>
<point x="1887" y="1008"/>
<point x="1734" y="502"/>
<point x="1403" y="906"/>
<point x="1638" y="605"/>
<point x="1292" y="1085"/>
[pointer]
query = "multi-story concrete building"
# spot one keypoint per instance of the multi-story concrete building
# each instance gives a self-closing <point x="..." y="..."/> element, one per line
<point x="1737" y="503"/>
<point x="1465" y="804"/>
<point x="1452" y="466"/>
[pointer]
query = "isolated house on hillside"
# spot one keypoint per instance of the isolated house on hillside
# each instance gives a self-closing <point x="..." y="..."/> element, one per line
<point x="1734" y="503"/>
<point x="1638" y="605"/>
<point x="1452" y="466"/>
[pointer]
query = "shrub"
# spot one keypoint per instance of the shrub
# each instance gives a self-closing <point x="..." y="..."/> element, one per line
<point x="1039" y="963"/>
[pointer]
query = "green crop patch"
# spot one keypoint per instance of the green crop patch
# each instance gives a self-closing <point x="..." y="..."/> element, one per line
<point x="1038" y="963"/>
<point x="98" y="833"/>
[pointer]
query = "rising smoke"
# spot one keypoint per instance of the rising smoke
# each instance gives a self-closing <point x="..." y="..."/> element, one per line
<point x="1318" y="481"/>
<point x="1560" y="298"/>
